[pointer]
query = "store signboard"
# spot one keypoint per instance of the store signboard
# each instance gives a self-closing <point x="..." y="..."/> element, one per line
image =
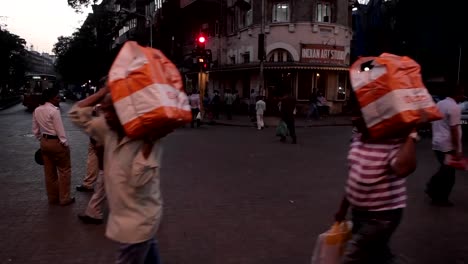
<point x="323" y="54"/>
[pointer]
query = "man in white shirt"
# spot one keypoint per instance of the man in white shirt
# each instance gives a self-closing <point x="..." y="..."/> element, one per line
<point x="48" y="128"/>
<point x="229" y="99"/>
<point x="131" y="180"/>
<point x="252" y="102"/>
<point x="260" y="107"/>
<point x="446" y="140"/>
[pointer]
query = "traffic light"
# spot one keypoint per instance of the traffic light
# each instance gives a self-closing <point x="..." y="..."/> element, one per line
<point x="201" y="41"/>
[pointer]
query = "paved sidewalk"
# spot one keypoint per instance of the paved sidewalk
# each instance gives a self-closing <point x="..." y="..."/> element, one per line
<point x="9" y="102"/>
<point x="272" y="121"/>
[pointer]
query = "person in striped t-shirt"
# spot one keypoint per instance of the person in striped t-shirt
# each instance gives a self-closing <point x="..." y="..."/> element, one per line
<point x="376" y="192"/>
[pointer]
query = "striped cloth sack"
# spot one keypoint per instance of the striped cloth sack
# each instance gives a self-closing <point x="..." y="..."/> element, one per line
<point x="147" y="91"/>
<point x="392" y="95"/>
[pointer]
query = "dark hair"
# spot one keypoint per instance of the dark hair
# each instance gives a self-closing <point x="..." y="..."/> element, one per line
<point x="49" y="94"/>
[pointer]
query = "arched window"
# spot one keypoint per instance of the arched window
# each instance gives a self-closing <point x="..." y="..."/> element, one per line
<point x="279" y="55"/>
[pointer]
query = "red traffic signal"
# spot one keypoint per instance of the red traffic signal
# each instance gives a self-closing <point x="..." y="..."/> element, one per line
<point x="201" y="41"/>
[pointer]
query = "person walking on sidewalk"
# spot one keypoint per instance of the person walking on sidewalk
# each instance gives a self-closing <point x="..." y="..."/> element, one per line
<point x="194" y="100"/>
<point x="446" y="140"/>
<point x="252" y="102"/>
<point x="215" y="104"/>
<point x="48" y="128"/>
<point x="229" y="99"/>
<point x="131" y="180"/>
<point x="288" y="109"/>
<point x="376" y="191"/>
<point x="260" y="107"/>
<point x="313" y="107"/>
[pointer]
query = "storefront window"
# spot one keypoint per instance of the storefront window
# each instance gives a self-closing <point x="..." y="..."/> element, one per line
<point x="304" y="87"/>
<point x="342" y="85"/>
<point x="321" y="82"/>
<point x="279" y="83"/>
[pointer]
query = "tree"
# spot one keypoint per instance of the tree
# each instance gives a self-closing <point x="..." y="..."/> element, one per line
<point x="62" y="45"/>
<point x="86" y="54"/>
<point x="78" y="4"/>
<point x="77" y="56"/>
<point x="12" y="68"/>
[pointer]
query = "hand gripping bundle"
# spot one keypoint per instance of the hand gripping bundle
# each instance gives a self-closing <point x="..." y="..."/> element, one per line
<point x="147" y="91"/>
<point x="391" y="94"/>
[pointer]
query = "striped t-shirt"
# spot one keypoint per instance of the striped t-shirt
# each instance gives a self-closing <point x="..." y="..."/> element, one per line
<point x="371" y="185"/>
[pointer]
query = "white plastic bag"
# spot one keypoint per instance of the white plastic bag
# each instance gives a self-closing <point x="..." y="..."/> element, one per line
<point x="330" y="245"/>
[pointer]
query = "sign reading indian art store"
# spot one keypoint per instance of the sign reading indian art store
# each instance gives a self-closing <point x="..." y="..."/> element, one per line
<point x="322" y="54"/>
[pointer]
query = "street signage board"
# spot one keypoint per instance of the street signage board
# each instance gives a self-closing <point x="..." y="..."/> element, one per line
<point x="323" y="54"/>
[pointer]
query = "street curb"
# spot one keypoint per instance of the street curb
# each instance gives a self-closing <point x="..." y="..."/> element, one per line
<point x="10" y="104"/>
<point x="297" y="126"/>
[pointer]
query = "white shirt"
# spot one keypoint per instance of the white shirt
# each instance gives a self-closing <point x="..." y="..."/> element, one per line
<point x="441" y="135"/>
<point x="47" y="120"/>
<point x="229" y="98"/>
<point x="260" y="106"/>
<point x="131" y="181"/>
<point x="194" y="101"/>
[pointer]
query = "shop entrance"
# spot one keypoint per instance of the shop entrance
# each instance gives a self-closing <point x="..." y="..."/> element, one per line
<point x="279" y="83"/>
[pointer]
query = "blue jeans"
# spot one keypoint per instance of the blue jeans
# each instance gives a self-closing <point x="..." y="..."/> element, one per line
<point x="371" y="233"/>
<point x="146" y="252"/>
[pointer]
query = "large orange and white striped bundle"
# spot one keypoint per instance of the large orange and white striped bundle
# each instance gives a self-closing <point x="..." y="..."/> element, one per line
<point x="392" y="95"/>
<point x="147" y="91"/>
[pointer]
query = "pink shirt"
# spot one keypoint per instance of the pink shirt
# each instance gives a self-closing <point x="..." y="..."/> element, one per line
<point x="372" y="185"/>
<point x="47" y="120"/>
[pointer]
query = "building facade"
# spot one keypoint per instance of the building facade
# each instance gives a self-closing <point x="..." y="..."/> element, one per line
<point x="306" y="43"/>
<point x="306" y="47"/>
<point x="37" y="63"/>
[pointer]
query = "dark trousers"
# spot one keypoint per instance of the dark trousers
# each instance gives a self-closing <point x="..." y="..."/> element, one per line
<point x="252" y="112"/>
<point x="146" y="252"/>
<point x="215" y="108"/>
<point x="290" y="122"/>
<point x="229" y="111"/>
<point x="441" y="184"/>
<point x="372" y="231"/>
<point x="194" y="117"/>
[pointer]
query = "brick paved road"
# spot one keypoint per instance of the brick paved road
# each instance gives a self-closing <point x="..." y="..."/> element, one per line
<point x="232" y="195"/>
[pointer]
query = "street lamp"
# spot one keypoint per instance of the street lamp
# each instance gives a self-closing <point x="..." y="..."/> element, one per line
<point x="327" y="43"/>
<point x="148" y="18"/>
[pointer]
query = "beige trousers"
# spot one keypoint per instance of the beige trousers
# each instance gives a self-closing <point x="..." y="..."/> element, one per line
<point x="96" y="203"/>
<point x="92" y="167"/>
<point x="57" y="170"/>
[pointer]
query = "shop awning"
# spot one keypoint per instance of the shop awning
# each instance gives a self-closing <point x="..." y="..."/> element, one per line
<point x="307" y="67"/>
<point x="279" y="66"/>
